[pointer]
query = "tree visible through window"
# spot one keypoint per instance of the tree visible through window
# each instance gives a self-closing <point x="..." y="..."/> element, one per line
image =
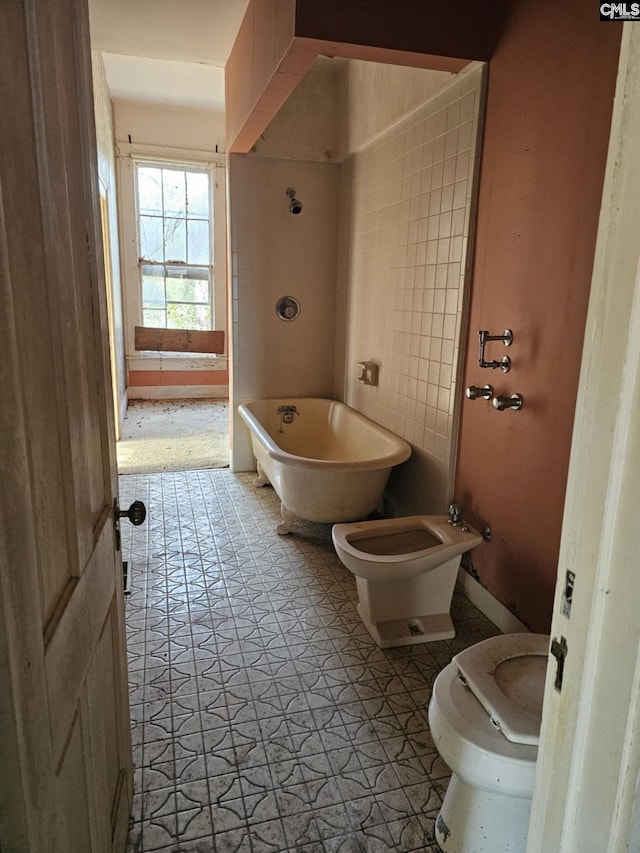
<point x="175" y="247"/>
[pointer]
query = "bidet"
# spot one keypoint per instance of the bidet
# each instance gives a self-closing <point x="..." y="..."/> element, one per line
<point x="405" y="570"/>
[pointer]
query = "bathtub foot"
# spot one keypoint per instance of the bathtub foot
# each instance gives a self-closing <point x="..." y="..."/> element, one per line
<point x="261" y="479"/>
<point x="287" y="521"/>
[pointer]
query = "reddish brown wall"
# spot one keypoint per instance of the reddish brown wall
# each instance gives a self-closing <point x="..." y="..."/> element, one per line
<point x="466" y="29"/>
<point x="550" y="91"/>
<point x="154" y="378"/>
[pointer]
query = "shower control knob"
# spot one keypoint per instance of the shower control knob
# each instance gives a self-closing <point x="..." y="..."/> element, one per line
<point x="473" y="392"/>
<point x="514" y="402"/>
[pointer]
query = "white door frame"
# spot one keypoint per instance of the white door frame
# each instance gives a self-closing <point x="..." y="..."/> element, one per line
<point x="585" y="797"/>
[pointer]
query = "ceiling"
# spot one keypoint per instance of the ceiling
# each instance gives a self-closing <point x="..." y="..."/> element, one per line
<point x="164" y="51"/>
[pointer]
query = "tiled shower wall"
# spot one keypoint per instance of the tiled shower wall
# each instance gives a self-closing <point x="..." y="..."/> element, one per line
<point x="407" y="202"/>
<point x="275" y="253"/>
<point x="390" y="225"/>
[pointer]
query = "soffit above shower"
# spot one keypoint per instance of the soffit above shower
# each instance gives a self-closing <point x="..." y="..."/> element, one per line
<point x="272" y="53"/>
<point x="341" y="104"/>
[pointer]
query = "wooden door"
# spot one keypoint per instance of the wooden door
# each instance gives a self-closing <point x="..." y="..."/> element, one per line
<point x="586" y="792"/>
<point x="65" y="752"/>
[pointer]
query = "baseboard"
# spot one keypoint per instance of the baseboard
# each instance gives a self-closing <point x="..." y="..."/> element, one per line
<point x="178" y="392"/>
<point x="493" y="609"/>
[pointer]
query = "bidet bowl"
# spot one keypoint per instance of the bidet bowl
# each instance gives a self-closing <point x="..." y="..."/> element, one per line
<point x="401" y="548"/>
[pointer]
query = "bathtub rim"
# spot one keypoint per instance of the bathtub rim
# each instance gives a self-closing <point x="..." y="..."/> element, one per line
<point x="275" y="452"/>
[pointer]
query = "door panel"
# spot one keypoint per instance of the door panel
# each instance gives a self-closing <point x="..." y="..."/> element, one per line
<point x="74" y="638"/>
<point x="65" y="750"/>
<point x="72" y="827"/>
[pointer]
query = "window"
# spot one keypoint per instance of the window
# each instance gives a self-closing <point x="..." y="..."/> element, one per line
<point x="175" y="245"/>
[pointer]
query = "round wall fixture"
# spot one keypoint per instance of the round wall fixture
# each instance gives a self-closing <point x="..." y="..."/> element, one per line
<point x="287" y="308"/>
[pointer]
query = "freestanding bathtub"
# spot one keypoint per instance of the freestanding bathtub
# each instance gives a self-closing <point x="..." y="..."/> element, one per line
<point x="326" y="461"/>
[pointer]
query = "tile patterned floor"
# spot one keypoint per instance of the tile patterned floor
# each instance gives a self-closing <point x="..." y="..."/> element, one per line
<point x="264" y="717"/>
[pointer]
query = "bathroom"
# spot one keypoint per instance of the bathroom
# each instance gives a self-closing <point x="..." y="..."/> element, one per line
<point x="367" y="287"/>
<point x="548" y="110"/>
<point x="545" y="134"/>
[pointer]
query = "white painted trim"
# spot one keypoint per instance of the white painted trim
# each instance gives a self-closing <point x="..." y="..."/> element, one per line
<point x="179" y="392"/>
<point x="157" y="152"/>
<point x="585" y="798"/>
<point x="176" y="361"/>
<point x="493" y="609"/>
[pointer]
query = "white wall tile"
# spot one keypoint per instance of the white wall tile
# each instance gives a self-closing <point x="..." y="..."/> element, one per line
<point x="411" y="326"/>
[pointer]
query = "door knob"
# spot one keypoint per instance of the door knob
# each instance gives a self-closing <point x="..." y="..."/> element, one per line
<point x="136" y="513"/>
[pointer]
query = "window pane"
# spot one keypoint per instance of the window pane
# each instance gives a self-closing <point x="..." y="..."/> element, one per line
<point x="151" y="246"/>
<point x="201" y="288"/>
<point x="180" y="290"/>
<point x="151" y="317"/>
<point x="153" y="295"/>
<point x="185" y="316"/>
<point x="149" y="190"/>
<point x="203" y="313"/>
<point x="198" y="194"/>
<point x="174" y="192"/>
<point x="198" y="231"/>
<point x="175" y="239"/>
<point x="180" y="316"/>
<point x="187" y="284"/>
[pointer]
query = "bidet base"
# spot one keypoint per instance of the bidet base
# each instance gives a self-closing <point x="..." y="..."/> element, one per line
<point x="408" y="632"/>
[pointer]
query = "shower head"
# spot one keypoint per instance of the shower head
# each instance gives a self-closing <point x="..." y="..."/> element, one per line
<point x="295" y="206"/>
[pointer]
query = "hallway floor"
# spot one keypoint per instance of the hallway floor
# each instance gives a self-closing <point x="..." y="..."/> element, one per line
<point x="265" y="719"/>
<point x="174" y="435"/>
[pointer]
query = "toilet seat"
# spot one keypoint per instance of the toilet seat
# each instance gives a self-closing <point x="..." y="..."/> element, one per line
<point x="506" y="674"/>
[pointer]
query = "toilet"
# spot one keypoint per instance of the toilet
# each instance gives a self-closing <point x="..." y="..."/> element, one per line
<point x="484" y="717"/>
<point x="405" y="570"/>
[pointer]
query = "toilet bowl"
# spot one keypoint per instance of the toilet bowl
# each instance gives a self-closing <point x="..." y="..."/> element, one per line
<point x="405" y="570"/>
<point x="484" y="717"/>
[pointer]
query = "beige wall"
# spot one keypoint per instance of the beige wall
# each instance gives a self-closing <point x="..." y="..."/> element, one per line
<point x="406" y="204"/>
<point x="307" y="125"/>
<point x="275" y="253"/>
<point x="168" y="127"/>
<point x="374" y="94"/>
<point x="107" y="174"/>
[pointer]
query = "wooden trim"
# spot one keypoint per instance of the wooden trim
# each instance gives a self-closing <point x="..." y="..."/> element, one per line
<point x="178" y="340"/>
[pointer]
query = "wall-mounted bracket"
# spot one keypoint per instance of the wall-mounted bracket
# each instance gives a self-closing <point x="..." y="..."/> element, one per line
<point x="368" y="372"/>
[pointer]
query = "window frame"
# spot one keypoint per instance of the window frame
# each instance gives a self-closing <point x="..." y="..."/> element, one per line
<point x="139" y="162"/>
<point x="127" y="155"/>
